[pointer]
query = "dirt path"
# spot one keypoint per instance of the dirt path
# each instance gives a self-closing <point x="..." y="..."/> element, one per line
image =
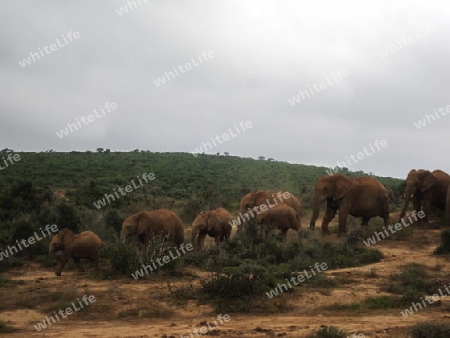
<point x="116" y="296"/>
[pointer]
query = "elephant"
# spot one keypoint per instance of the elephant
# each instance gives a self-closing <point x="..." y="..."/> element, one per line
<point x="259" y="197"/>
<point x="426" y="189"/>
<point x="283" y="216"/>
<point x="362" y="197"/>
<point x="147" y="224"/>
<point x="447" y="207"/>
<point x="215" y="223"/>
<point x="66" y="245"/>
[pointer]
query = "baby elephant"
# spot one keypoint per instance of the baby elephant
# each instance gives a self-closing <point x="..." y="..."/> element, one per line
<point x="215" y="223"/>
<point x="66" y="245"/>
<point x="283" y="217"/>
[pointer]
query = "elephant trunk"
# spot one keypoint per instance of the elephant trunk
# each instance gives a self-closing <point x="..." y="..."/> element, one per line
<point x="315" y="215"/>
<point x="408" y="193"/>
<point x="195" y="231"/>
<point x="447" y="207"/>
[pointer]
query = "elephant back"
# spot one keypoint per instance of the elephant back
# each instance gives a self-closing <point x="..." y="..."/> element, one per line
<point x="86" y="245"/>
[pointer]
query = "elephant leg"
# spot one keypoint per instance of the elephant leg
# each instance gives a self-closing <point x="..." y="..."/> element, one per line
<point x="284" y="234"/>
<point x="329" y="215"/>
<point x="201" y="241"/>
<point x="77" y="263"/>
<point x="94" y="260"/>
<point x="417" y="204"/>
<point x="426" y="206"/>
<point x="365" y="221"/>
<point x="343" y="215"/>
<point x="386" y="219"/>
<point x="61" y="263"/>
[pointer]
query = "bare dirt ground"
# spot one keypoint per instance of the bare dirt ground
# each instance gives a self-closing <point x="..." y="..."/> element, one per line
<point x="114" y="312"/>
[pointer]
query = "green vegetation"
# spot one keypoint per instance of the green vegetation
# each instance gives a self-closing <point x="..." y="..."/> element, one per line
<point x="328" y="332"/>
<point x="413" y="282"/>
<point x="255" y="261"/>
<point x="408" y="286"/>
<point x="430" y="330"/>
<point x="61" y="188"/>
<point x="86" y="176"/>
<point x="444" y="247"/>
<point x="5" y="328"/>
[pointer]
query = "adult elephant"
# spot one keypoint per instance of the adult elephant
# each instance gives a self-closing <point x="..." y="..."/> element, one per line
<point x="362" y="197"/>
<point x="447" y="207"/>
<point x="214" y="223"/>
<point x="260" y="197"/>
<point x="66" y="245"/>
<point x="283" y="216"/>
<point x="426" y="189"/>
<point x="147" y="224"/>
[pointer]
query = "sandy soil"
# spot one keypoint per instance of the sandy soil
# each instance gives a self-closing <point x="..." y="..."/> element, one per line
<point x="308" y="307"/>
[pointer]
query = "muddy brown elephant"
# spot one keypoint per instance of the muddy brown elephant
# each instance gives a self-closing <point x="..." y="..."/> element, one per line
<point x="362" y="197"/>
<point x="214" y="223"/>
<point x="426" y="189"/>
<point x="283" y="216"/>
<point x="259" y="197"/>
<point x="447" y="207"/>
<point x="66" y="245"/>
<point x="147" y="224"/>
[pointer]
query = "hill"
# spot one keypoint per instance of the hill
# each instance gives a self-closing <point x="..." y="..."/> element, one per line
<point x="177" y="175"/>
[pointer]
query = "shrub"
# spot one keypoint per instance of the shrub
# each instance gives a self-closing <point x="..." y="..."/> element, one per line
<point x="413" y="282"/>
<point x="382" y="302"/>
<point x="237" y="282"/>
<point x="5" y="328"/>
<point x="431" y="330"/>
<point x="444" y="248"/>
<point x="328" y="332"/>
<point x="113" y="220"/>
<point x="127" y="258"/>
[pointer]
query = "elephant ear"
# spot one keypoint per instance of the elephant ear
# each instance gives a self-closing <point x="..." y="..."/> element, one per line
<point x="428" y="181"/>
<point x="66" y="237"/>
<point x="260" y="197"/>
<point x="341" y="188"/>
<point x="143" y="222"/>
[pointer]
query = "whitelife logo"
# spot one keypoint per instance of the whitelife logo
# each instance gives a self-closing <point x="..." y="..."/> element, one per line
<point x="68" y="311"/>
<point x="187" y="66"/>
<point x="53" y="47"/>
<point x="341" y="74"/>
<point x="225" y="137"/>
<point x="33" y="239"/>
<point x="90" y="118"/>
<point x="110" y="197"/>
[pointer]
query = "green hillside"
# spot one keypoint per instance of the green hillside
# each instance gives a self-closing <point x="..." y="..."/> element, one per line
<point x="178" y="175"/>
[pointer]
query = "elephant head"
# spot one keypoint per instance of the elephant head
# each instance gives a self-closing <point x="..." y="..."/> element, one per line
<point x="60" y="242"/>
<point x="200" y="224"/>
<point x="417" y="182"/>
<point x="136" y="224"/>
<point x="333" y="187"/>
<point x="252" y="199"/>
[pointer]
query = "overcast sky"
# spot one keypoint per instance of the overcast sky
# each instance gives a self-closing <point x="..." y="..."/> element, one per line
<point x="261" y="55"/>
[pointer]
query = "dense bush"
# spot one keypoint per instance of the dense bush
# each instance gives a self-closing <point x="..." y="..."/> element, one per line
<point x="444" y="247"/>
<point x="126" y="258"/>
<point x="328" y="332"/>
<point x="431" y="330"/>
<point x="113" y="220"/>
